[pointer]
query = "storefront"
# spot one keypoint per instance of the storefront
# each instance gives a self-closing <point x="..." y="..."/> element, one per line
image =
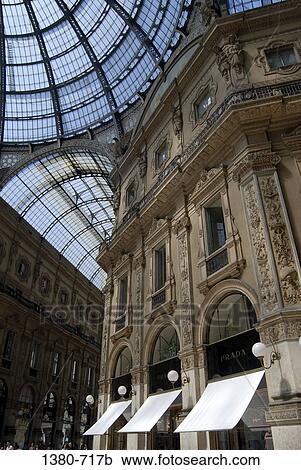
<point x="234" y="403"/>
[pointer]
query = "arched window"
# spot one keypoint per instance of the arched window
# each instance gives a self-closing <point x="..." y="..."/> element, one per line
<point x="49" y="418"/>
<point x="26" y="402"/>
<point x="122" y="374"/>
<point x="124" y="363"/>
<point x="166" y="346"/>
<point x="233" y="315"/>
<point x="68" y="420"/>
<point x="49" y="407"/>
<point x="231" y="335"/>
<point x="164" y="359"/>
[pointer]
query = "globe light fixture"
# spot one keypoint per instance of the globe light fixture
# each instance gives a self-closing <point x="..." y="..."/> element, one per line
<point x="90" y="400"/>
<point x="122" y="391"/>
<point x="259" y="349"/>
<point x="173" y="376"/>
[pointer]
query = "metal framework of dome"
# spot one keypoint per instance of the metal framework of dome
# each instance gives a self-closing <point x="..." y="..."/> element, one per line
<point x="66" y="196"/>
<point x="70" y="65"/>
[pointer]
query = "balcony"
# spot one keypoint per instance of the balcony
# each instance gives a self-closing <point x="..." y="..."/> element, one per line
<point x="159" y="298"/>
<point x="217" y="262"/>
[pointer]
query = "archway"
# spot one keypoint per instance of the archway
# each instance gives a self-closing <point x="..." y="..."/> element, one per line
<point x="230" y="334"/>
<point x="121" y="377"/>
<point x="24" y="416"/>
<point x="164" y="358"/>
<point x="49" y="420"/>
<point x="68" y="420"/>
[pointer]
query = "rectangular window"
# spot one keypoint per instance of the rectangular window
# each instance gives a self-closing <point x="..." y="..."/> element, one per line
<point x="123" y="302"/>
<point x="130" y="194"/>
<point x="123" y="294"/>
<point x="161" y="155"/>
<point x="8" y="346"/>
<point x="74" y="372"/>
<point x="56" y="363"/>
<point x="34" y="356"/>
<point x="216" y="233"/>
<point x="280" y="57"/>
<point x="202" y="105"/>
<point x="90" y="377"/>
<point x="160" y="267"/>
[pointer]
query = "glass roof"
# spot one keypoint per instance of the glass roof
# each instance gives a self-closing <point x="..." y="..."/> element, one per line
<point x="69" y="65"/>
<point x="66" y="197"/>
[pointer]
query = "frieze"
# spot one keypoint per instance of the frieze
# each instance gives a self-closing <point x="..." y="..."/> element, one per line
<point x="183" y="223"/>
<point x="257" y="160"/>
<point x="281" y="331"/>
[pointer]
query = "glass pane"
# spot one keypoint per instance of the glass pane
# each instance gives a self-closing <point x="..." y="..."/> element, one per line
<point x="233" y="315"/>
<point x="216" y="234"/>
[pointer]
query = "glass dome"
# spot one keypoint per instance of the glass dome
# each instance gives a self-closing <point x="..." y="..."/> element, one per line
<point x="66" y="196"/>
<point x="70" y="65"/>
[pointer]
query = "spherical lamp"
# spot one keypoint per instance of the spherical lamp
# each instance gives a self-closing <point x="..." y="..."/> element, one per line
<point x="258" y="350"/>
<point x="122" y="390"/>
<point x="173" y="376"/>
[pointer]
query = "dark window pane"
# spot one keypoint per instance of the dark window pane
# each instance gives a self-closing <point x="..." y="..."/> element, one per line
<point x="281" y="57"/>
<point x="160" y="268"/>
<point x="8" y="347"/>
<point x="216" y="234"/>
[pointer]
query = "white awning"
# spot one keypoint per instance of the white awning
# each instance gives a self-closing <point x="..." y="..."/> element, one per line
<point x="222" y="404"/>
<point x="108" y="418"/>
<point x="150" y="412"/>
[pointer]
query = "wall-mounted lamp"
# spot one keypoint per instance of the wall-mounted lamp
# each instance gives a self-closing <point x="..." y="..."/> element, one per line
<point x="259" y="349"/>
<point x="122" y="391"/>
<point x="90" y="400"/>
<point x="173" y="376"/>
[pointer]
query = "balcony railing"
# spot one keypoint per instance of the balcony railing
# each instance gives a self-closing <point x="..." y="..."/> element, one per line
<point x="42" y="311"/>
<point x="158" y="299"/>
<point x="217" y="262"/>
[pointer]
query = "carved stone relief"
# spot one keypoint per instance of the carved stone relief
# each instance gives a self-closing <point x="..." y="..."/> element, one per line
<point x="281" y="242"/>
<point x="281" y="331"/>
<point x="230" y="60"/>
<point x="142" y="162"/>
<point x="116" y="199"/>
<point x="256" y="229"/>
<point x="185" y="295"/>
<point x="177" y="121"/>
<point x="138" y="317"/>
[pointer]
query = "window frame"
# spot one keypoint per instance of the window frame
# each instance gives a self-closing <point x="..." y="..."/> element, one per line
<point x="277" y="48"/>
<point x="206" y="218"/>
<point x="157" y="249"/>
<point x="205" y="93"/>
